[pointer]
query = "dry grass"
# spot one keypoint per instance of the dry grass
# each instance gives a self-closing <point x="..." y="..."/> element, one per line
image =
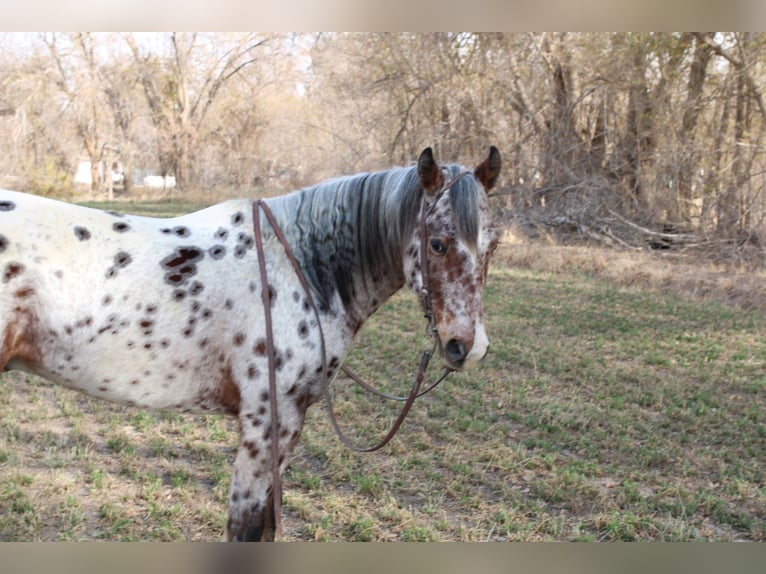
<point x="645" y="269"/>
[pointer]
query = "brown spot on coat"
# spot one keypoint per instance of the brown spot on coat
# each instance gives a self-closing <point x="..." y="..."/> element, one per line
<point x="221" y="234"/>
<point x="81" y="233"/>
<point x="12" y="270"/>
<point x="217" y="252"/>
<point x="225" y="394"/>
<point x="181" y="265"/>
<point x="24" y="293"/>
<point x="122" y="259"/>
<point x="22" y="338"/>
<point x="260" y="347"/>
<point x="251" y="447"/>
<point x="196" y="288"/>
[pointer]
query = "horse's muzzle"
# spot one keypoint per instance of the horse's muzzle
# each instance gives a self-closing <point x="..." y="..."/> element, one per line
<point x="455" y="352"/>
<point x="459" y="354"/>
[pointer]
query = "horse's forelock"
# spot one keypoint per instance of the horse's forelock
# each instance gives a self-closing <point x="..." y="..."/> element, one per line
<point x="465" y="201"/>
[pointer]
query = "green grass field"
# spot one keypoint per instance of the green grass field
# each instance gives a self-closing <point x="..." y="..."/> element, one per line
<point x="603" y="412"/>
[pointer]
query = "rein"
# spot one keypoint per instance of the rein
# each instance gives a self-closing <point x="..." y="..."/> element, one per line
<point x="416" y="392"/>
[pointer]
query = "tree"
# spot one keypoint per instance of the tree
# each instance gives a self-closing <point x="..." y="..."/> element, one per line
<point x="693" y="107"/>
<point x="182" y="85"/>
<point x="75" y="73"/>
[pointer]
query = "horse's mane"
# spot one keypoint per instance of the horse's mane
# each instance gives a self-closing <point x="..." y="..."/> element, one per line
<point x="356" y="224"/>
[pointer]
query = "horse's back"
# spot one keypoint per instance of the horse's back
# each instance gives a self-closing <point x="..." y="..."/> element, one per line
<point x="123" y="307"/>
<point x="71" y="252"/>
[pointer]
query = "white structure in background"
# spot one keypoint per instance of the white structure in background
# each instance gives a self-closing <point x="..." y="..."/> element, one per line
<point x="83" y="173"/>
<point x="83" y="176"/>
<point x="157" y="181"/>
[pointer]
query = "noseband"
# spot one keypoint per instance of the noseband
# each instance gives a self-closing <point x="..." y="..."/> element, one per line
<point x="426" y="301"/>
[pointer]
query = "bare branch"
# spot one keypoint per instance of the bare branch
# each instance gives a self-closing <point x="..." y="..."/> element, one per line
<point x="741" y="65"/>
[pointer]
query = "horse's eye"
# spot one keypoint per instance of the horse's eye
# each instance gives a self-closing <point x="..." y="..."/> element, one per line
<point x="438" y="246"/>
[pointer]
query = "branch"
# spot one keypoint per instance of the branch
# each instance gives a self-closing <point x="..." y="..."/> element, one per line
<point x="226" y="73"/>
<point x="737" y="63"/>
<point x="62" y="80"/>
<point x="670" y="236"/>
<point x="350" y="145"/>
<point x="403" y="123"/>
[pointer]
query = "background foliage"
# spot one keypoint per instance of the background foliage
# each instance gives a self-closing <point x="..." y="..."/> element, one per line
<point x="626" y="138"/>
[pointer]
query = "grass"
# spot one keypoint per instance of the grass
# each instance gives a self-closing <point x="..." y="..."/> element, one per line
<point x="606" y="410"/>
<point x="149" y="208"/>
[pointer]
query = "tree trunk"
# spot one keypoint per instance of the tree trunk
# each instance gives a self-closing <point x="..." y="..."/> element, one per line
<point x="689" y="163"/>
<point x="639" y="138"/>
<point x="729" y="218"/>
<point x="563" y="143"/>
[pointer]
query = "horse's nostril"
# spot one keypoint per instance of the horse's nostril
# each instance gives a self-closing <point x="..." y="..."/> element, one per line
<point x="456" y="351"/>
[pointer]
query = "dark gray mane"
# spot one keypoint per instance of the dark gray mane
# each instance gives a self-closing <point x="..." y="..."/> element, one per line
<point x="348" y="233"/>
<point x="465" y="206"/>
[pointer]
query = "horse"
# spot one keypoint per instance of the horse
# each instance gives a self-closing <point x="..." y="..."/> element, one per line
<point x="165" y="314"/>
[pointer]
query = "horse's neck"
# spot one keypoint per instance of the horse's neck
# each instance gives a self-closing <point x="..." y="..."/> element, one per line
<point x="346" y="247"/>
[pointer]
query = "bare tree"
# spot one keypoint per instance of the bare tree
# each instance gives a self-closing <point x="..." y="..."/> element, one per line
<point x="181" y="87"/>
<point x="75" y="73"/>
<point x="693" y="107"/>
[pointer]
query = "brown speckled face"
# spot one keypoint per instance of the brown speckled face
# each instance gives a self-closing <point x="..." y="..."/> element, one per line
<point x="460" y="241"/>
<point x="457" y="268"/>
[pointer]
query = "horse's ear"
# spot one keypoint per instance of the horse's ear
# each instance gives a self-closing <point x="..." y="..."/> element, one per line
<point x="488" y="170"/>
<point x="431" y="178"/>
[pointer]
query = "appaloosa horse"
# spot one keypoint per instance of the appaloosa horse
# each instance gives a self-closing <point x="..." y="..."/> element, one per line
<point x="167" y="314"/>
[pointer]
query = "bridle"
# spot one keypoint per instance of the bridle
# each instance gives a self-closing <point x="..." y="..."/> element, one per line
<point x="416" y="392"/>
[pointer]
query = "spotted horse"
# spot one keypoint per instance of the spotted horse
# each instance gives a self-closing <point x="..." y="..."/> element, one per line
<point x="167" y="314"/>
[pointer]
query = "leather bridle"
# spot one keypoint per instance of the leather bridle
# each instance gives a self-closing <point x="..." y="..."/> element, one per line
<point x="426" y="301"/>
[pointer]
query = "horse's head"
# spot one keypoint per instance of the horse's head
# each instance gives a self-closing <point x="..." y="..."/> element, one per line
<point x="459" y="240"/>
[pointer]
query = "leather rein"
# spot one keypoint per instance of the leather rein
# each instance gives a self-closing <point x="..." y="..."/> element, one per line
<point x="426" y="300"/>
